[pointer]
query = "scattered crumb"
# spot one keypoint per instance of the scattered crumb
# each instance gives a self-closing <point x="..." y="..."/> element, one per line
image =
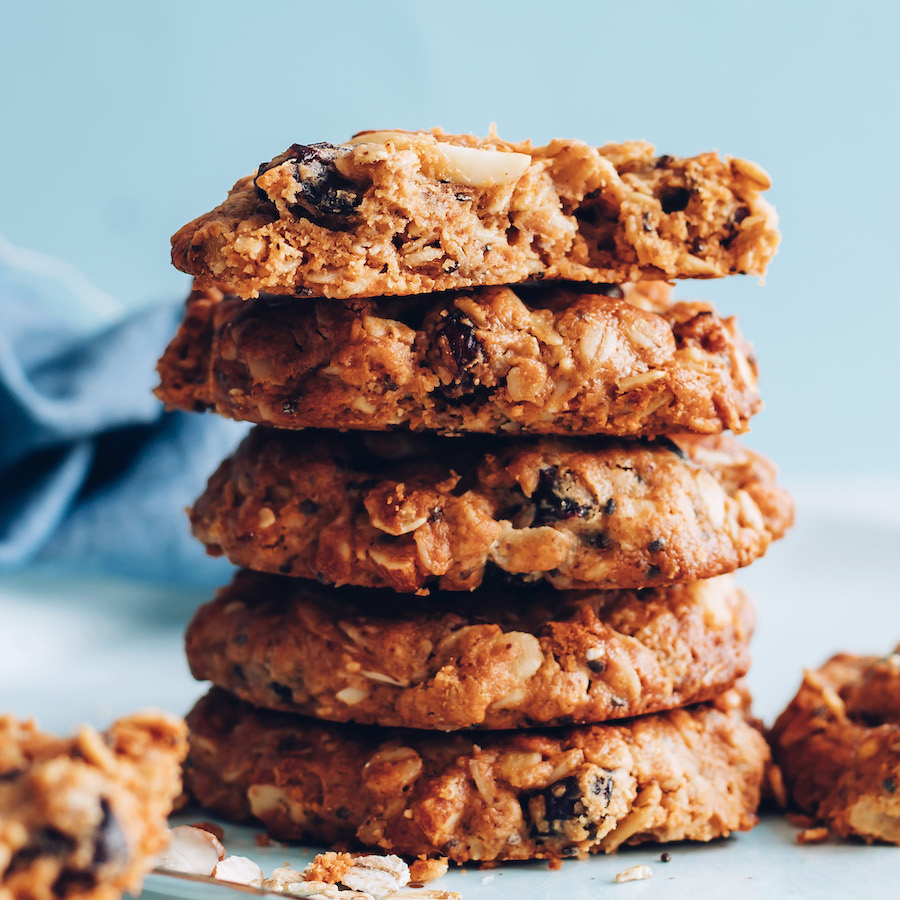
<point x="262" y="839"/>
<point x="328" y="867"/>
<point x="634" y="873"/>
<point x="554" y="863"/>
<point x="813" y="835"/>
<point x="425" y="870"/>
<point x="800" y="820"/>
<point x="216" y="830"/>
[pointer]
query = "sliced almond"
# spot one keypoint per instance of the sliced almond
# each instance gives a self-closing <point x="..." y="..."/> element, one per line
<point x="472" y="166"/>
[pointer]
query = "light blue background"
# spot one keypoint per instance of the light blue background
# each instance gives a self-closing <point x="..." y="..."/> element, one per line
<point x="122" y="121"/>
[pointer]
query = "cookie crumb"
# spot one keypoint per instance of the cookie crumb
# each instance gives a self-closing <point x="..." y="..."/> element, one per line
<point x="261" y="839"/>
<point x="425" y="870"/>
<point x="329" y="867"/>
<point x="634" y="873"/>
<point x="813" y="835"/>
<point x="554" y="863"/>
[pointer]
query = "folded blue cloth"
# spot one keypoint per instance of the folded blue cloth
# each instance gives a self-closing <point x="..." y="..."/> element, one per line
<point x="94" y="475"/>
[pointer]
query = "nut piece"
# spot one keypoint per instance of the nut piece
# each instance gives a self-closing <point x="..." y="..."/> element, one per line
<point x="192" y="851"/>
<point x="471" y="166"/>
<point x="239" y="870"/>
<point x="634" y="873"/>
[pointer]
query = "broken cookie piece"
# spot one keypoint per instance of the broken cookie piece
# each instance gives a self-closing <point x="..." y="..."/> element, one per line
<point x="86" y="816"/>
<point x="394" y="212"/>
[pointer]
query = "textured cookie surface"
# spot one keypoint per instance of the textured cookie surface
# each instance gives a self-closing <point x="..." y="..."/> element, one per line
<point x="548" y="359"/>
<point x="85" y="817"/>
<point x="683" y="775"/>
<point x="495" y="658"/>
<point x="414" y="212"/>
<point x="407" y="511"/>
<point x="838" y="746"/>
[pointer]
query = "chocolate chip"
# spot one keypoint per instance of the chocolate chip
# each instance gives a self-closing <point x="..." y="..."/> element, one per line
<point x="674" y="199"/>
<point x="562" y="801"/>
<point x="740" y="214"/>
<point x="610" y="507"/>
<point x="463" y="198"/>
<point x="110" y="842"/>
<point x="282" y="691"/>
<point x="657" y="545"/>
<point x="597" y="665"/>
<point x="309" y="507"/>
<point x="652" y="571"/>
<point x="665" y="856"/>
<point x="240" y="639"/>
<point x="549" y="505"/>
<point x="889" y="785"/>
<point x="238" y="671"/>
<point x="662" y="161"/>
<point x="287" y="407"/>
<point x="342" y="812"/>
<point x="602" y="786"/>
<point x="436" y="515"/>
<point x="647" y="222"/>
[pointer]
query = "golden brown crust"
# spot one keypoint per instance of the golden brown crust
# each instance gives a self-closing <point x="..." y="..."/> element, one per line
<point x="550" y="360"/>
<point x="838" y="746"/>
<point x="495" y="658"/>
<point x="398" y="217"/>
<point x="409" y="511"/>
<point x="86" y="817"/>
<point x="682" y="775"/>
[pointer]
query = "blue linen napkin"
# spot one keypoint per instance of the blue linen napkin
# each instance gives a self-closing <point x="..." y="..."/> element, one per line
<point x="94" y="475"/>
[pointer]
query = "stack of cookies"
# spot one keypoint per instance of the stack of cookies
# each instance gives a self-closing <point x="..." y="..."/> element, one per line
<point x="488" y="516"/>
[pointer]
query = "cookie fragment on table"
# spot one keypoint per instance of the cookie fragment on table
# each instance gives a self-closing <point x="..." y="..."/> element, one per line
<point x="838" y="746"/>
<point x="86" y="816"/>
<point x="413" y="212"/>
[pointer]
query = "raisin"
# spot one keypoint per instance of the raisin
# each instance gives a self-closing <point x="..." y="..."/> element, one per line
<point x="324" y="194"/>
<point x="674" y="199"/>
<point x="740" y="214"/>
<point x="71" y="881"/>
<point x="550" y="506"/>
<point x="110" y="843"/>
<point x="598" y="666"/>
<point x="567" y="801"/>
<point x="458" y="331"/>
<point x="281" y="691"/>
<point x="598" y="540"/>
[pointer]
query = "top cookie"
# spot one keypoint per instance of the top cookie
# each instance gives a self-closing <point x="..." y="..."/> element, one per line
<point x="412" y="212"/>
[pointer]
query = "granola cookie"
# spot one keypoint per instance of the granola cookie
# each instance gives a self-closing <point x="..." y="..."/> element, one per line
<point x="550" y="359"/>
<point x="414" y="212"/>
<point x="86" y="816"/>
<point x="838" y="746"/>
<point x="411" y="511"/>
<point x="682" y="775"/>
<point x="491" y="659"/>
